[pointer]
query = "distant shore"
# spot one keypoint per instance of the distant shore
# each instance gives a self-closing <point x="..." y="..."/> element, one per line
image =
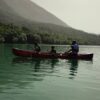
<point x="10" y="33"/>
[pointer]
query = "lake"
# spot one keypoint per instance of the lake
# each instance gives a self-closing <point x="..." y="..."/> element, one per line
<point x="48" y="79"/>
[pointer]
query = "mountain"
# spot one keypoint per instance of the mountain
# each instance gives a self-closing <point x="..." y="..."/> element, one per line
<point x="22" y="21"/>
<point x="25" y="12"/>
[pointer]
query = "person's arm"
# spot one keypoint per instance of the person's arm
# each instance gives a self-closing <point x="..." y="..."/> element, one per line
<point x="69" y="50"/>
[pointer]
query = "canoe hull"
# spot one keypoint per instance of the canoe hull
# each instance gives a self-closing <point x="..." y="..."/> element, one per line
<point x="30" y="53"/>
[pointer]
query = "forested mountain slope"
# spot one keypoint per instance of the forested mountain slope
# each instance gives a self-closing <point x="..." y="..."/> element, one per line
<point x="22" y="21"/>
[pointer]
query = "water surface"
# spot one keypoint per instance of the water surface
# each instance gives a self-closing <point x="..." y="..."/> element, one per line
<point x="48" y="79"/>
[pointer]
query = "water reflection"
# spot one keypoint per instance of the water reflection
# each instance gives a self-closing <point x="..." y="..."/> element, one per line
<point x="39" y="67"/>
<point x="54" y="62"/>
<point x="21" y="60"/>
<point x="24" y="71"/>
<point x="35" y="61"/>
<point x="73" y="68"/>
<point x="74" y="64"/>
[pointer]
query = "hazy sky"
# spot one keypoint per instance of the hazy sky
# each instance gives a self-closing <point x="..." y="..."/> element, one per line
<point x="79" y="14"/>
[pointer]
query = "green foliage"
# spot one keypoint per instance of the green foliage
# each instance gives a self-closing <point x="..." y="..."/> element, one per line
<point x="49" y="34"/>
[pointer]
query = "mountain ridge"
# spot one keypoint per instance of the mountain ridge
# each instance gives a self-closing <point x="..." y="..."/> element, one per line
<point x="20" y="10"/>
<point x="22" y="21"/>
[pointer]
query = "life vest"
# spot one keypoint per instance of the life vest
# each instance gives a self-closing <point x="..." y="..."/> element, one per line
<point x="75" y="48"/>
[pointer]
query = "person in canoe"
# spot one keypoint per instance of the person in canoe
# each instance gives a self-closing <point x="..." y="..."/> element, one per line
<point x="53" y="51"/>
<point x="74" y="48"/>
<point x="37" y="47"/>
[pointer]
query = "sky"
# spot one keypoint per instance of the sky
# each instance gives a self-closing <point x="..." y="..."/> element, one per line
<point x="79" y="14"/>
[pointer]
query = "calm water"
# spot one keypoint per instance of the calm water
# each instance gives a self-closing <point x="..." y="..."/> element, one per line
<point x="46" y="79"/>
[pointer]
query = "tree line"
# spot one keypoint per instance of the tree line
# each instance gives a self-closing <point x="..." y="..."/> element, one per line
<point x="48" y="34"/>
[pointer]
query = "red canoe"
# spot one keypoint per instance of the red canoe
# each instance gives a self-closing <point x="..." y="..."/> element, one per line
<point x="30" y="53"/>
